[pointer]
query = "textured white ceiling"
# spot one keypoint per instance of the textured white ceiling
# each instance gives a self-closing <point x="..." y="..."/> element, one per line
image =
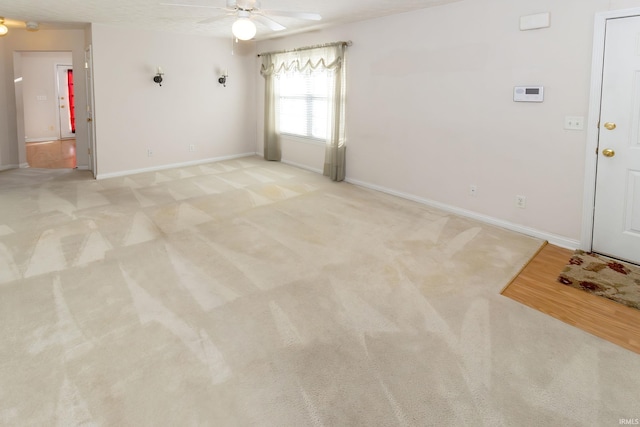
<point x="151" y="14"/>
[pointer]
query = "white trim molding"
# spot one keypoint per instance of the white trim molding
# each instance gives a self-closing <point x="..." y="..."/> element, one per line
<point x="554" y="239"/>
<point x="172" y="165"/>
<point x="50" y="139"/>
<point x="301" y="166"/>
<point x="7" y="167"/>
<point x="595" y="95"/>
<point x="303" y="139"/>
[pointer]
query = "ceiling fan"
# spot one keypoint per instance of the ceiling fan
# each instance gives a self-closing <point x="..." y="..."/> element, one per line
<point x="248" y="11"/>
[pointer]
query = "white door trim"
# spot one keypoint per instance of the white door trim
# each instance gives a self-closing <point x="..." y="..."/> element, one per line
<point x="595" y="95"/>
<point x="91" y="109"/>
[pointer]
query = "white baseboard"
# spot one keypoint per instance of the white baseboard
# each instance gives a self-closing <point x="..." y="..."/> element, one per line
<point x="23" y="165"/>
<point x="298" y="165"/>
<point x="7" y="167"/>
<point x="82" y="168"/>
<point x="554" y="239"/>
<point x="51" y="138"/>
<point x="172" y="165"/>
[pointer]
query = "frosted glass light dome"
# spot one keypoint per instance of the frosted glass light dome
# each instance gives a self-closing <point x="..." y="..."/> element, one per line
<point x="243" y="29"/>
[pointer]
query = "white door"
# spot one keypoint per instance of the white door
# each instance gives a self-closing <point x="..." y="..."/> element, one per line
<point x="616" y="229"/>
<point x="91" y="130"/>
<point x="64" y="105"/>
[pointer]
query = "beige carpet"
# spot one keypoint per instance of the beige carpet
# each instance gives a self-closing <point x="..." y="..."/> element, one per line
<point x="254" y="293"/>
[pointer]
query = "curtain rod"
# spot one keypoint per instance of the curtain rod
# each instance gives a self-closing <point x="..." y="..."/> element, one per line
<point x="345" y="43"/>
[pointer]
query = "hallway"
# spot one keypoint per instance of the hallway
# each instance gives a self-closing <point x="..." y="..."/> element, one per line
<point x="56" y="154"/>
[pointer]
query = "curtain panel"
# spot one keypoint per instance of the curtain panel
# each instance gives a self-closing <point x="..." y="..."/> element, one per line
<point x="329" y="58"/>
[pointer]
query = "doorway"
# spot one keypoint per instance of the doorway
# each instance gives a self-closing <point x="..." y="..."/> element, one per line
<point x="612" y="184"/>
<point x="47" y="100"/>
<point x="65" y="96"/>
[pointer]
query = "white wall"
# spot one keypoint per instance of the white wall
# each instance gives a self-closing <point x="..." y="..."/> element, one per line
<point x="39" y="79"/>
<point x="133" y="114"/>
<point x="430" y="109"/>
<point x="12" y="147"/>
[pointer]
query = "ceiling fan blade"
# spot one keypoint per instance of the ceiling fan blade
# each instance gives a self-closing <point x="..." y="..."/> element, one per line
<point x="215" y="18"/>
<point x="193" y="5"/>
<point x="273" y="25"/>
<point x="300" y="15"/>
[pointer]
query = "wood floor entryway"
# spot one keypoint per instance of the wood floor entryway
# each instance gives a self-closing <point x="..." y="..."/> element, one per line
<point x="537" y="287"/>
<point x="56" y="154"/>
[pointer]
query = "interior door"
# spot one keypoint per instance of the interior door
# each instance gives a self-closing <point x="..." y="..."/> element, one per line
<point x="91" y="130"/>
<point x="617" y="205"/>
<point x="64" y="105"/>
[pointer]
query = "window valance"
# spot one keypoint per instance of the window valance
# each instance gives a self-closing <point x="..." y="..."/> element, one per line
<point x="322" y="57"/>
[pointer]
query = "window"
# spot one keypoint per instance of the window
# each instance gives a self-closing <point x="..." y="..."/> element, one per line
<point x="303" y="103"/>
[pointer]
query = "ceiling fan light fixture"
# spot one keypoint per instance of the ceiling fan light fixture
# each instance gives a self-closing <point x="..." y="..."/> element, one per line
<point x="3" y="28"/>
<point x="243" y="29"/>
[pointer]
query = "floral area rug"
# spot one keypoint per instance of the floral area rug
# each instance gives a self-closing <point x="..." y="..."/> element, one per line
<point x="604" y="277"/>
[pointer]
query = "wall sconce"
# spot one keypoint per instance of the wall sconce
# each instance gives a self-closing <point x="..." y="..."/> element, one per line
<point x="158" y="77"/>
<point x="223" y="78"/>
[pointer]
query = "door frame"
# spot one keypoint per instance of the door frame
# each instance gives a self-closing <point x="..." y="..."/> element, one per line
<point x="91" y="110"/>
<point x="593" y="132"/>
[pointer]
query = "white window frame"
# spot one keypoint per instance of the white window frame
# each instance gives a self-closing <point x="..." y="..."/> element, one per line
<point x="308" y="97"/>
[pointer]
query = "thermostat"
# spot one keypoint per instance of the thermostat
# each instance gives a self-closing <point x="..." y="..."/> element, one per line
<point x="528" y="93"/>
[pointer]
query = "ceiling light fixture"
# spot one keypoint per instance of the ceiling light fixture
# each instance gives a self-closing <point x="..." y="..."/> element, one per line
<point x="243" y="28"/>
<point x="32" y="26"/>
<point x="3" y="28"/>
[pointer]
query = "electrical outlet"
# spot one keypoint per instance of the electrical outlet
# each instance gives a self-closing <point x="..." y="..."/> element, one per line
<point x="149" y="152"/>
<point x="192" y="147"/>
<point x="473" y="190"/>
<point x="521" y="202"/>
<point x="574" y="123"/>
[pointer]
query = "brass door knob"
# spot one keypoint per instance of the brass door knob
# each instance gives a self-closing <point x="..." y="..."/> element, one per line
<point x="610" y="126"/>
<point x="62" y="106"/>
<point x="89" y="119"/>
<point x="608" y="152"/>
